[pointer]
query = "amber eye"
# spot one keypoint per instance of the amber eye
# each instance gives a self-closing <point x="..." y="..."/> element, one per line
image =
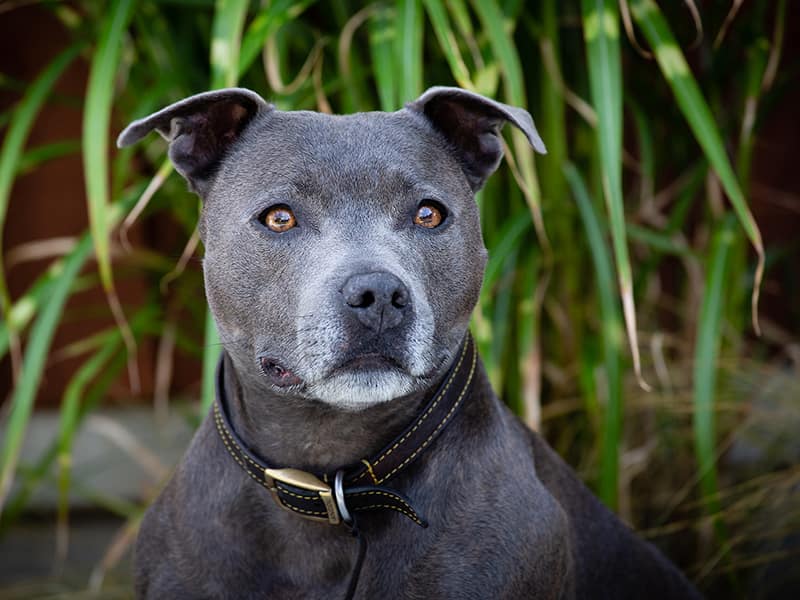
<point x="430" y="214"/>
<point x="279" y="218"/>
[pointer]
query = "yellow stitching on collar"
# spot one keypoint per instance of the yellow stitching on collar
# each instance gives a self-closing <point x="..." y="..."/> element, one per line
<point x="392" y="496"/>
<point x="305" y="512"/>
<point x="441" y="424"/>
<point x="425" y="416"/>
<point x="222" y="429"/>
<point x="230" y="451"/>
<point x="298" y="496"/>
<point x="369" y="469"/>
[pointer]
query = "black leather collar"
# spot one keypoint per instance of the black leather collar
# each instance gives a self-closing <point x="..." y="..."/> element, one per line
<point x="334" y="497"/>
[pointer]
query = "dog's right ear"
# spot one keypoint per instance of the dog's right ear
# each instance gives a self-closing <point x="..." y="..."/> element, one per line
<point x="199" y="130"/>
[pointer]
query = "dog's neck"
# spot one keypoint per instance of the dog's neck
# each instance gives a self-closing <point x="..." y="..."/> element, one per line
<point x="310" y="435"/>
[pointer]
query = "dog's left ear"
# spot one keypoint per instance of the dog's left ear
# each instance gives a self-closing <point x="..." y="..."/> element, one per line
<point x="472" y="123"/>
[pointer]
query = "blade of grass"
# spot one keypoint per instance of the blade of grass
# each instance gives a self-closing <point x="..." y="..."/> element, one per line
<point x="755" y="68"/>
<point x="275" y="59"/>
<point x="382" y="33"/>
<point x="46" y="152"/>
<point x="706" y="356"/>
<point x="11" y="156"/>
<point x="611" y="334"/>
<point x="501" y="321"/>
<point x="655" y="239"/>
<point x="70" y="417"/>
<point x="697" y="113"/>
<point x="485" y="76"/>
<point x="587" y="365"/>
<point x="554" y="127"/>
<point x="35" y="359"/>
<point x="521" y="162"/>
<point x="448" y="42"/>
<point x="265" y="24"/>
<point x="226" y="38"/>
<point x="533" y="286"/>
<point x="506" y="54"/>
<point x="561" y="214"/>
<point x="647" y="160"/>
<point x="409" y="43"/>
<point x="601" y="34"/>
<point x="509" y="237"/>
<point x="24" y="393"/>
<point x="34" y="477"/>
<point x="351" y="70"/>
<point x="96" y="120"/>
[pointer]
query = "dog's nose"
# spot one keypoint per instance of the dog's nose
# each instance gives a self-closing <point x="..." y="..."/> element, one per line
<point x="378" y="300"/>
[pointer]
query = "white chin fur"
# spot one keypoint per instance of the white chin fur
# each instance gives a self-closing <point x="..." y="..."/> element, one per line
<point x="357" y="391"/>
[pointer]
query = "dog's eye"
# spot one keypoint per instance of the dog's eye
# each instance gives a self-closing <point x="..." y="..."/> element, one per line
<point x="430" y="214"/>
<point x="278" y="218"/>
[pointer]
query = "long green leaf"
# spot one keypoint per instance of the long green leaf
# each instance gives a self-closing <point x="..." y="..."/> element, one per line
<point x="697" y="113"/>
<point x="33" y="477"/>
<point x="491" y="17"/>
<point x="46" y="152"/>
<point x="601" y="33"/>
<point x="96" y="120"/>
<point x="71" y="411"/>
<point x="706" y="355"/>
<point x="409" y="42"/>
<point x="448" y="42"/>
<point x="35" y="359"/>
<point x="611" y="335"/>
<point x="25" y="308"/>
<point x="266" y="23"/>
<point x="12" y="158"/>
<point x="502" y="44"/>
<point x="226" y="39"/>
<point x="553" y="127"/>
<point x="561" y="215"/>
<point x="382" y="33"/>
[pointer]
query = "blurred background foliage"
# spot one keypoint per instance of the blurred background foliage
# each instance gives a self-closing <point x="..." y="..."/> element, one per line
<point x="619" y="314"/>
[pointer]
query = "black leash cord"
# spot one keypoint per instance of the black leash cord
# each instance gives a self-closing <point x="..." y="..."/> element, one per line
<point x="356" y="572"/>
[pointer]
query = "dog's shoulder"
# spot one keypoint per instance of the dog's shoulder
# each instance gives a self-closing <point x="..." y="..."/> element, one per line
<point x="186" y="547"/>
<point x="610" y="560"/>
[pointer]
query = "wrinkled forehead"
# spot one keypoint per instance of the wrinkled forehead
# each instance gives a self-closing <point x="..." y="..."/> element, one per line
<point x="351" y="155"/>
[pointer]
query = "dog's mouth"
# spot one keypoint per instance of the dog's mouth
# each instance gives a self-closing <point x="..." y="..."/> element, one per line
<point x="370" y="361"/>
<point x="280" y="376"/>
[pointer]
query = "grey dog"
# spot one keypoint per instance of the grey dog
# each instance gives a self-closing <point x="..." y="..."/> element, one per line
<point x="343" y="257"/>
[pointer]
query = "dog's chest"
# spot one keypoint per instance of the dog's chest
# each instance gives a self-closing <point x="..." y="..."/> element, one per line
<point x="484" y="534"/>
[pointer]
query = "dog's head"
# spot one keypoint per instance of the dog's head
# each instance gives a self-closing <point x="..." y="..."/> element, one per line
<point x="343" y="254"/>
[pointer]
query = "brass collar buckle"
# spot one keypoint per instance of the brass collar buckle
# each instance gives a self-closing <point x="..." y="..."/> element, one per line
<point x="304" y="481"/>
